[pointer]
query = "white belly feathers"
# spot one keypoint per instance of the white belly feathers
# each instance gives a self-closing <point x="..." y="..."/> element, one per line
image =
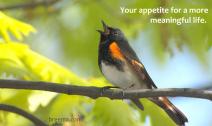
<point x="124" y="80"/>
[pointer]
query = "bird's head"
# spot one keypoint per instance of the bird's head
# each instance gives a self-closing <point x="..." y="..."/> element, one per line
<point x="110" y="34"/>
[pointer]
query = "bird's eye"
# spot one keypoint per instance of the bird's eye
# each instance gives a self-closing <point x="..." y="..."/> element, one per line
<point x="115" y="33"/>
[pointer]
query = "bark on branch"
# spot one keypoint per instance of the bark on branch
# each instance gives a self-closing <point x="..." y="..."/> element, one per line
<point x="23" y="113"/>
<point x="95" y="92"/>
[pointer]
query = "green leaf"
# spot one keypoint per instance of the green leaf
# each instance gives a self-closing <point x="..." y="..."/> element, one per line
<point x="157" y="116"/>
<point x="17" y="28"/>
<point x="108" y="112"/>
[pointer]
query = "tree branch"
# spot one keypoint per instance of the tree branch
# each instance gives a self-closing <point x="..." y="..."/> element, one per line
<point x="23" y="113"/>
<point x="29" y="5"/>
<point x="95" y="92"/>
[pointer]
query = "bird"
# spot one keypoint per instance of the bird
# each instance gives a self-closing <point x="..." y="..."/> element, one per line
<point x="121" y="66"/>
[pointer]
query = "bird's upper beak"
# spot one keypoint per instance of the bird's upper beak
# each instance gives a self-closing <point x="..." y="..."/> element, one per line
<point x="106" y="29"/>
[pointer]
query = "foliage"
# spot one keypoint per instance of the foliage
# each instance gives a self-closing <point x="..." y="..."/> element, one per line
<point x="17" y="28"/>
<point x="19" y="61"/>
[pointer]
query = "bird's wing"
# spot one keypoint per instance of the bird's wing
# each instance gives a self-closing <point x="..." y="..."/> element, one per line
<point x="137" y="66"/>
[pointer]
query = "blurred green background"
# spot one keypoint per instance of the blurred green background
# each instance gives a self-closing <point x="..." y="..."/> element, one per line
<point x="174" y="55"/>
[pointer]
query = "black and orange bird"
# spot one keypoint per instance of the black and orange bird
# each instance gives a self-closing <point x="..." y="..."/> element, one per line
<point x="121" y="66"/>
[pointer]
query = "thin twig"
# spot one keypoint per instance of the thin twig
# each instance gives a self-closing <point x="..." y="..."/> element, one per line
<point x="23" y="113"/>
<point x="95" y="92"/>
<point x="29" y="5"/>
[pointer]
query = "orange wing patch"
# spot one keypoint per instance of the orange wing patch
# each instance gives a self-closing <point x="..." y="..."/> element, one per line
<point x="134" y="62"/>
<point x="166" y="102"/>
<point x="138" y="66"/>
<point x="115" y="51"/>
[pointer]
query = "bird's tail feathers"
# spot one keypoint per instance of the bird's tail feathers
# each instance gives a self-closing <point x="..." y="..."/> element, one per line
<point x="177" y="116"/>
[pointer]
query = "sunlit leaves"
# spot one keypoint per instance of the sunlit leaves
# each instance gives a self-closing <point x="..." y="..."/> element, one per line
<point x="157" y="116"/>
<point x="10" y="60"/>
<point x="17" y="28"/>
<point x="112" y="113"/>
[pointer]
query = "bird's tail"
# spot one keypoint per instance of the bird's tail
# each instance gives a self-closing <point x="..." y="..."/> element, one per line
<point x="176" y="115"/>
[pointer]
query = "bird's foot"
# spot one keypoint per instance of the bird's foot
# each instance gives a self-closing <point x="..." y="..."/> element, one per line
<point x="103" y="89"/>
<point x="131" y="86"/>
<point x="126" y="88"/>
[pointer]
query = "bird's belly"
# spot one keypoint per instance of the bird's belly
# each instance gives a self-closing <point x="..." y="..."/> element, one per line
<point x="125" y="80"/>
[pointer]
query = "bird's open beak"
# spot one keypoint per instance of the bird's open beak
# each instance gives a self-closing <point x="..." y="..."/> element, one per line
<point x="106" y="29"/>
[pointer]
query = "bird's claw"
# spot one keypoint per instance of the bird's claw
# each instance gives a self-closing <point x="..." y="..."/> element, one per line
<point x="103" y="89"/>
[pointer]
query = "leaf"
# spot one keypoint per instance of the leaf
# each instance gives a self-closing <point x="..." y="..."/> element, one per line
<point x="157" y="116"/>
<point x="19" y="60"/>
<point x="108" y="112"/>
<point x="17" y="28"/>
